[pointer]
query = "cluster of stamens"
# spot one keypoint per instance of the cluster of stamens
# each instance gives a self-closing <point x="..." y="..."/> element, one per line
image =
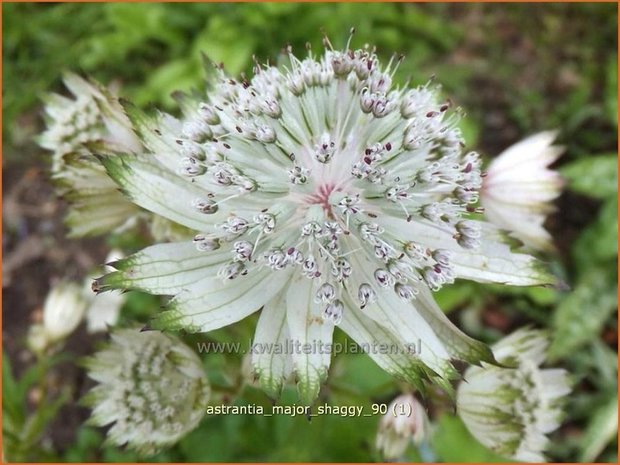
<point x="75" y="123"/>
<point x="153" y="387"/>
<point x="331" y="149"/>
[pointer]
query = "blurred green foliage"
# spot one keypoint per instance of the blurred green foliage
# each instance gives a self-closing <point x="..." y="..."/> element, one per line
<point x="516" y="68"/>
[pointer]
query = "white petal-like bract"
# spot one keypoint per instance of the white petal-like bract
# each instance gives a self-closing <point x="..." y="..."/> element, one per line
<point x="517" y="192"/>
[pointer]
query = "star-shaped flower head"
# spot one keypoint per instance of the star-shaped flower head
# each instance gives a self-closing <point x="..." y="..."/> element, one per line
<point x="327" y="196"/>
<point x="152" y="390"/>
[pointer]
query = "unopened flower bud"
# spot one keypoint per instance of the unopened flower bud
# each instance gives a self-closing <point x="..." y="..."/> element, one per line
<point x="63" y="310"/>
<point x="406" y="421"/>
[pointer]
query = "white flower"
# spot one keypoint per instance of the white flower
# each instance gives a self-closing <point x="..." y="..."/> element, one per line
<point x="104" y="309"/>
<point x="37" y="340"/>
<point x="151" y="389"/>
<point x="519" y="187"/>
<point x="94" y="120"/>
<point x="511" y="410"/>
<point x="405" y="421"/>
<point x="319" y="173"/>
<point x="63" y="311"/>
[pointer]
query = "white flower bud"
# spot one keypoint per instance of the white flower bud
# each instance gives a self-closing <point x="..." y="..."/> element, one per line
<point x="325" y="293"/>
<point x="206" y="206"/>
<point x="197" y="131"/>
<point x="63" y="310"/>
<point x="38" y="340"/>
<point x="243" y="250"/>
<point x="366" y="295"/>
<point x="404" y="291"/>
<point x="265" y="134"/>
<point x="406" y="421"/>
<point x="333" y="312"/>
<point x="208" y="114"/>
<point x="206" y="244"/>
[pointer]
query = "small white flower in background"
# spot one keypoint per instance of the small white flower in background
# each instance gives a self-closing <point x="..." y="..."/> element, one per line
<point x="151" y="391"/>
<point x="406" y="421"/>
<point x="37" y="339"/>
<point x="75" y="127"/>
<point x="63" y="311"/>
<point x="325" y="195"/>
<point x="104" y="309"/>
<point x="519" y="187"/>
<point x="511" y="410"/>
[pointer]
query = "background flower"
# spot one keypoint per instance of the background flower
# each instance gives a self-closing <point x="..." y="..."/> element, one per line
<point x="152" y="389"/>
<point x="511" y="410"/>
<point x="63" y="310"/>
<point x="405" y="422"/>
<point x="93" y="118"/>
<point x="519" y="187"/>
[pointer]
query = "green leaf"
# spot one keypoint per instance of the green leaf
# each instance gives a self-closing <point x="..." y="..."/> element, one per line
<point x="37" y="423"/>
<point x="358" y="374"/>
<point x="601" y="430"/>
<point x="583" y="313"/>
<point x="452" y="442"/>
<point x="176" y="75"/>
<point x="611" y="90"/>
<point x="13" y="398"/>
<point x="594" y="176"/>
<point x="87" y="443"/>
<point x="222" y="42"/>
<point x="599" y="241"/>
<point x="451" y="297"/>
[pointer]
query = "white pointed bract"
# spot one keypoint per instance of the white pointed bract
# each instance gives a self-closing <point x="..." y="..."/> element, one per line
<point x="519" y="187"/>
<point x="104" y="309"/>
<point x="151" y="391"/>
<point x="406" y="421"/>
<point x="327" y="196"/>
<point x="76" y="128"/>
<point x="511" y="410"/>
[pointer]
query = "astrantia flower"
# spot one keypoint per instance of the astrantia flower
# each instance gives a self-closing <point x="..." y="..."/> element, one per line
<point x="406" y="421"/>
<point x="519" y="187"/>
<point x="94" y="118"/>
<point x="510" y="410"/>
<point x="326" y="196"/>
<point x="152" y="390"/>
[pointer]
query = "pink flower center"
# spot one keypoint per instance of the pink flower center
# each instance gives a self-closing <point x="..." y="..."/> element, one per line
<point x="321" y="197"/>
